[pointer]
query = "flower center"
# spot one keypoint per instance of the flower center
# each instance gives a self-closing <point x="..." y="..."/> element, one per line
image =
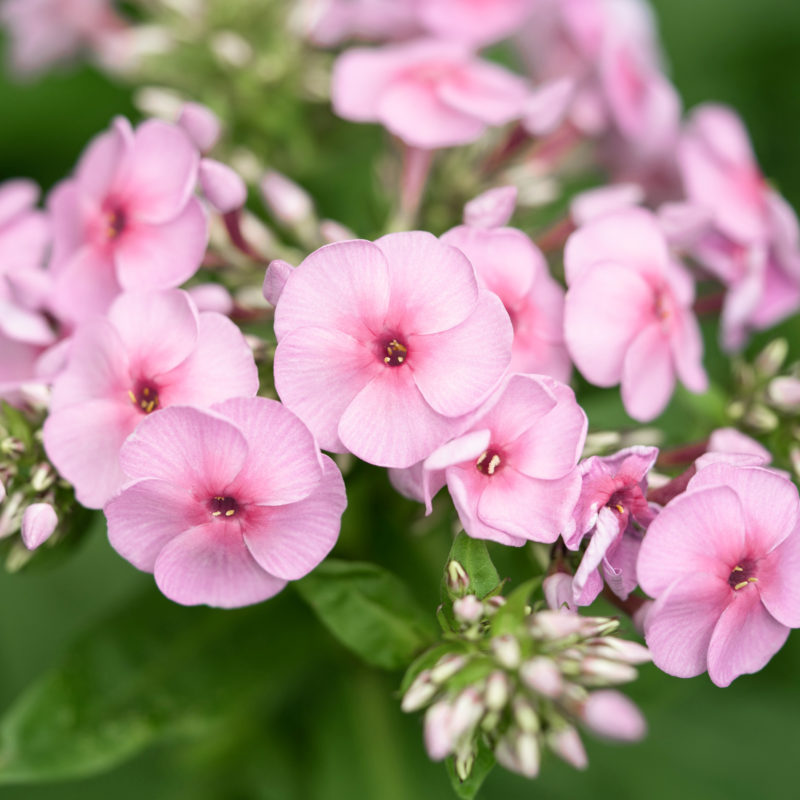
<point x="396" y="353"/>
<point x="489" y="461"/>
<point x="222" y="506"/>
<point x="743" y="574"/>
<point x="116" y="223"/>
<point x="144" y="396"/>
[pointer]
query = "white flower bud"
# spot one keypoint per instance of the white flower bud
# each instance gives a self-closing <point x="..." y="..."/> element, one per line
<point x="468" y="609"/>
<point x="497" y="690"/>
<point x="566" y="744"/>
<point x="420" y="693"/>
<point x="446" y="667"/>
<point x="457" y="578"/>
<point x="599" y="671"/>
<point x="507" y="651"/>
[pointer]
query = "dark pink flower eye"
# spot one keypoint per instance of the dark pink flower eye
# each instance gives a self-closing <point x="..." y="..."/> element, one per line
<point x="223" y="506"/>
<point x="144" y="396"/>
<point x="489" y="461"/>
<point x="396" y="354"/>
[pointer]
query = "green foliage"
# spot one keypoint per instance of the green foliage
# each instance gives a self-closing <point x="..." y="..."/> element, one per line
<point x="468" y="789"/>
<point x="369" y="610"/>
<point x="473" y="555"/>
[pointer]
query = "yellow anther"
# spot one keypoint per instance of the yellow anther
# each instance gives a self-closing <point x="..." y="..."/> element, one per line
<point x="738" y="569"/>
<point x="494" y="463"/>
<point x="740" y="585"/>
<point x="229" y="513"/>
<point x="145" y="391"/>
<point x="215" y="513"/>
<point x="132" y="396"/>
<point x="620" y="508"/>
<point x="753" y="580"/>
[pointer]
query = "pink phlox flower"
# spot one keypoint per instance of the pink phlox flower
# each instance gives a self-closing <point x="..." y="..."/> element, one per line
<point x="127" y="220"/>
<point x="429" y="93"/>
<point x="513" y="475"/>
<point x="44" y="32"/>
<point x="721" y="561"/>
<point x="628" y="313"/>
<point x="331" y="22"/>
<point x="492" y="208"/>
<point x="754" y="245"/>
<point x="732" y="441"/>
<point x="478" y="22"/>
<point x="384" y="347"/>
<point x="225" y="505"/>
<point x="613" y="511"/>
<point x="509" y="264"/>
<point x="152" y="351"/>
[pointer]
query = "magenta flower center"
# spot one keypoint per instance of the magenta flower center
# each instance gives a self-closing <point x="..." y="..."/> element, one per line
<point x="743" y="574"/>
<point x="223" y="506"/>
<point x="395" y="353"/>
<point x="144" y="396"/>
<point x="489" y="461"/>
<point x="116" y="223"/>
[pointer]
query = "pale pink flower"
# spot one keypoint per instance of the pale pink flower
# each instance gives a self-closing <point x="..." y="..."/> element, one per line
<point x="628" y="315"/>
<point x="721" y="561"/>
<point x="513" y="475"/>
<point x="330" y="22"/>
<point x="429" y="93"/>
<point x="226" y="505"/>
<point x="753" y="247"/>
<point x="152" y="351"/>
<point x="127" y="220"/>
<point x="478" y="22"/>
<point x="44" y="32"/>
<point x="384" y="347"/>
<point x="612" y="510"/>
<point x="509" y="264"/>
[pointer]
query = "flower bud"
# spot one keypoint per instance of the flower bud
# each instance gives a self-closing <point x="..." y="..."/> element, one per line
<point x="525" y="715"/>
<point x="497" y="690"/>
<point x="528" y="754"/>
<point x="464" y="760"/>
<point x="599" y="672"/>
<point x="614" y="716"/>
<point x="620" y="650"/>
<point x="468" y="609"/>
<point x="39" y="521"/>
<point x="231" y="49"/>
<point x="446" y="667"/>
<point x="771" y="358"/>
<point x="211" y="297"/>
<point x="223" y="188"/>
<point x="543" y="676"/>
<point x="42" y="478"/>
<point x="761" y="419"/>
<point x="286" y="201"/>
<point x="420" y="693"/>
<point x="566" y="744"/>
<point x="507" y="651"/>
<point x="468" y="709"/>
<point x="438" y="741"/>
<point x="201" y="125"/>
<point x="784" y="392"/>
<point x="456" y="578"/>
<point x="331" y="231"/>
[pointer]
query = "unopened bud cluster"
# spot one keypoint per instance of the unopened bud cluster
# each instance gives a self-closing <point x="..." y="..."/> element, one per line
<point x="522" y="686"/>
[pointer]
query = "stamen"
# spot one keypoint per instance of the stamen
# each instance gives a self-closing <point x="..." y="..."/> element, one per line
<point x="220" y="506"/>
<point x="395" y="354"/>
<point x="144" y="396"/>
<point x="742" y="575"/>
<point x="488" y="462"/>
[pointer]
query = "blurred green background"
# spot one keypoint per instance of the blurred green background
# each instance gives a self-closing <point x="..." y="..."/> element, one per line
<point x="327" y="728"/>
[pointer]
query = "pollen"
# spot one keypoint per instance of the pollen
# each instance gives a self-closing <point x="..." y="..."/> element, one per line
<point x="220" y="506"/>
<point x="396" y="354"/>
<point x="116" y="224"/>
<point x="488" y="462"/>
<point x="742" y="575"/>
<point x="145" y="397"/>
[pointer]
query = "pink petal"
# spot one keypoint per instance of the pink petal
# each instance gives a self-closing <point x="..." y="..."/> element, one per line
<point x="85" y="286"/>
<point x="432" y="285"/>
<point x="222" y="186"/>
<point x="445" y="369"/>
<point x="681" y="622"/>
<point x="606" y="532"/>
<point x="16" y="196"/>
<point x="603" y="313"/>
<point x="777" y="581"/>
<point x="211" y="565"/>
<point x="283" y="463"/>
<point x="491" y="209"/>
<point x="630" y="237"/>
<point x="687" y="353"/>
<point x="462" y="449"/>
<point x="65" y="206"/>
<point x="158" y="329"/>
<point x="595" y="203"/>
<point x="745" y="638"/>
<point x="390" y="424"/>
<point x="318" y="372"/>
<point x="201" y="124"/>
<point x="84" y="441"/>
<point x="413" y="112"/>
<point x="98" y="367"/>
<point x="194" y="449"/>
<point x="160" y="173"/>
<point x="648" y="376"/>
<point x="161" y="256"/>
<point x="547" y="106"/>
<point x="703" y="530"/>
<point x="344" y="286"/>
<point x="220" y="366"/>
<point x="146" y="515"/>
<point x="39" y="522"/>
<point x="290" y="540"/>
<point x="102" y="159"/>
<point x="536" y="510"/>
<point x="211" y="297"/>
<point x="474" y="22"/>
<point x="275" y="278"/>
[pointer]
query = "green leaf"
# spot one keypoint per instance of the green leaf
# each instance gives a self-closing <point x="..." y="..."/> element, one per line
<point x="509" y="616"/>
<point x="468" y="789"/>
<point x="369" y="610"/>
<point x="474" y="557"/>
<point x="154" y="671"/>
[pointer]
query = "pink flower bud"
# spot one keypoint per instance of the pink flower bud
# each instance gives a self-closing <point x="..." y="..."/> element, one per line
<point x="595" y="203"/>
<point x="528" y="755"/>
<point x="201" y="124"/>
<point x="600" y="671"/>
<point x="506" y="650"/>
<point x="467" y="712"/>
<point x="446" y="667"/>
<point x="288" y="202"/>
<point x="211" y="297"/>
<point x="785" y="392"/>
<point x="223" y="187"/>
<point x="614" y="716"/>
<point x="457" y="577"/>
<point x="438" y="741"/>
<point x="420" y="693"/>
<point x="566" y="744"/>
<point x="277" y="274"/>
<point x="543" y="676"/>
<point x="621" y="650"/>
<point x="39" y="521"/>
<point x="558" y="591"/>
<point x="557" y="624"/>
<point x="468" y="609"/>
<point x="492" y="209"/>
<point x="497" y="690"/>
<point x="332" y="231"/>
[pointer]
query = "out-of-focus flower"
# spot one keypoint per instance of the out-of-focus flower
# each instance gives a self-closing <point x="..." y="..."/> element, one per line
<point x="614" y="512"/>
<point x="44" y="32"/>
<point x="377" y="343"/>
<point x="628" y="316"/>
<point x="201" y="125"/>
<point x="478" y="22"/>
<point x="429" y="93"/>
<point x="222" y="186"/>
<point x="288" y="202"/>
<point x="127" y="220"/>
<point x="721" y="561"/>
<point x="154" y="350"/>
<point x="513" y="475"/>
<point x="226" y="505"/>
